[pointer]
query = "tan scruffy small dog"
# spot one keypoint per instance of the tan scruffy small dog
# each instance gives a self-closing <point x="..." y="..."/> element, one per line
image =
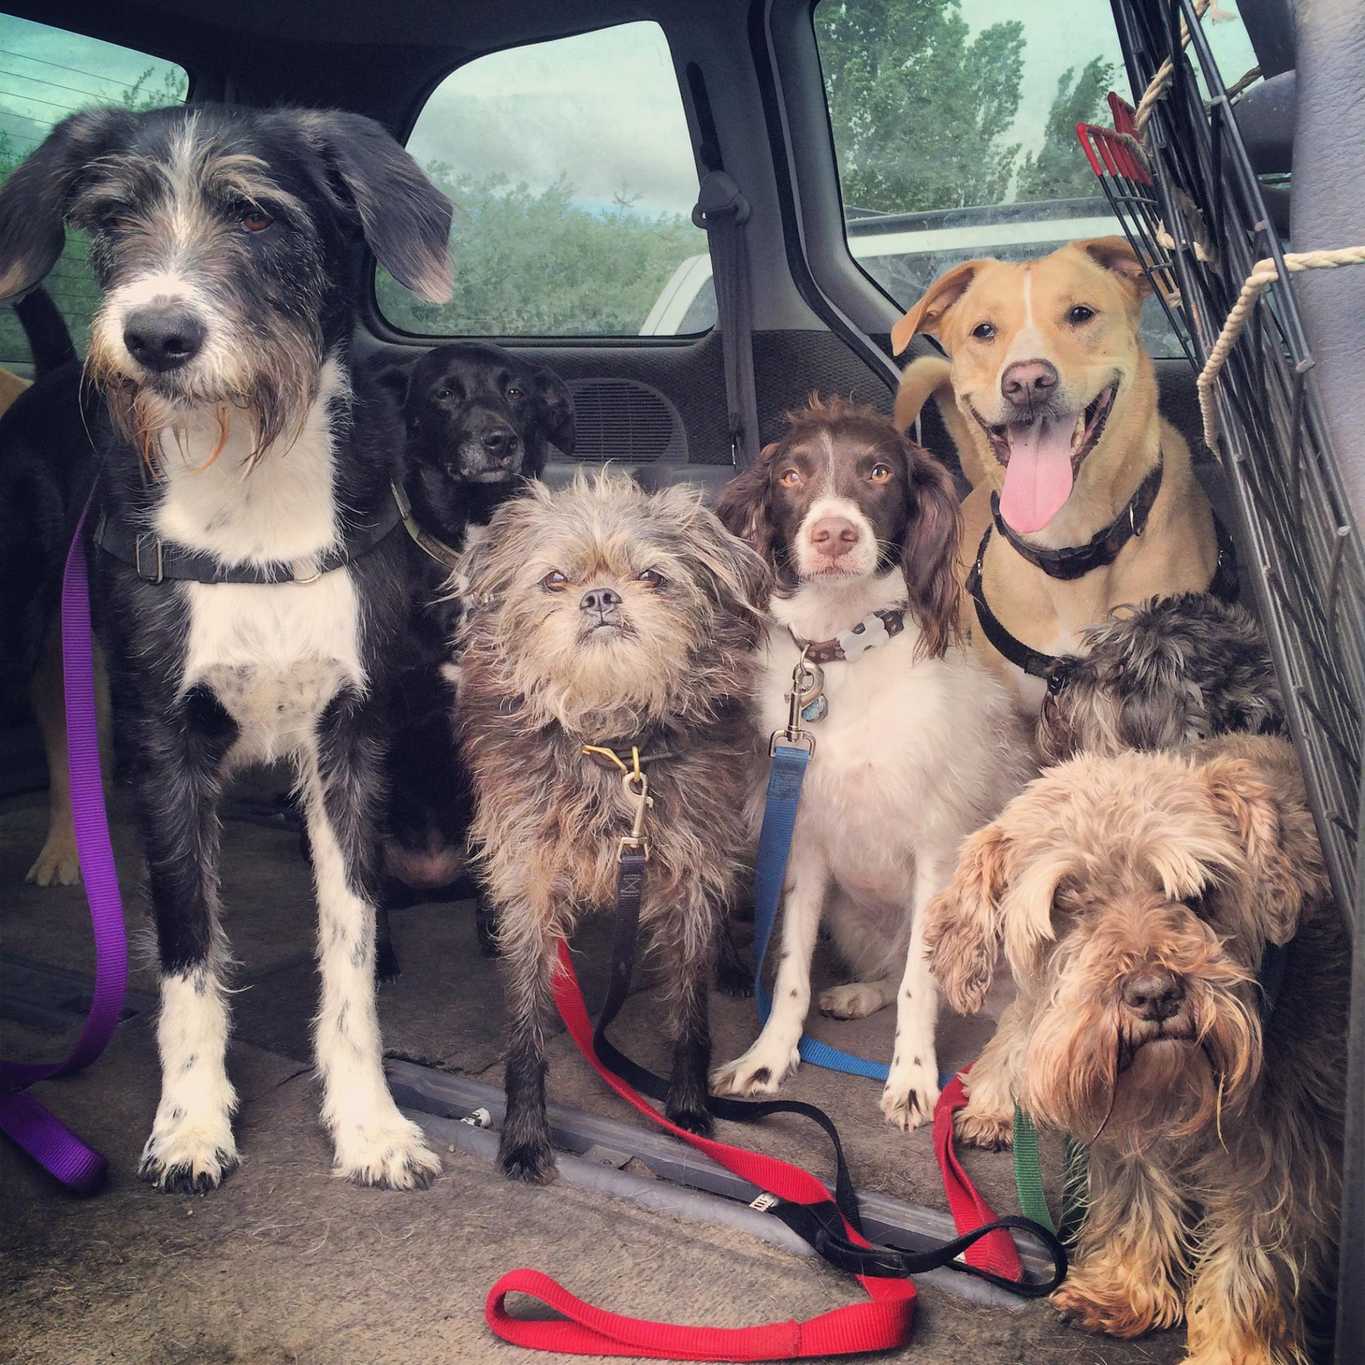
<point x="1136" y="897"/>
<point x="616" y="618"/>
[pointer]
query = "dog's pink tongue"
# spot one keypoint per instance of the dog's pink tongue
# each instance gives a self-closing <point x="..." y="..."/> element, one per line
<point x="1038" y="476"/>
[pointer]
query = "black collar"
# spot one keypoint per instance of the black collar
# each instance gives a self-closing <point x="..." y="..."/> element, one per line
<point x="1039" y="665"/>
<point x="1075" y="561"/>
<point x="157" y="560"/>
<point x="434" y="549"/>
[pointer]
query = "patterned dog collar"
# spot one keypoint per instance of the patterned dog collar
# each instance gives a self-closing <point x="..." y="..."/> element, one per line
<point x="883" y="625"/>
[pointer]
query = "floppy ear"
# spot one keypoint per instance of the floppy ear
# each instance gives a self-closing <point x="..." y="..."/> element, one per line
<point x="35" y="199"/>
<point x="965" y="926"/>
<point x="394" y="376"/>
<point x="736" y="578"/>
<point x="1116" y="254"/>
<point x="404" y="217"/>
<point x="1284" y="860"/>
<point x="743" y="504"/>
<point x="554" y="403"/>
<point x="928" y="314"/>
<point x="929" y="560"/>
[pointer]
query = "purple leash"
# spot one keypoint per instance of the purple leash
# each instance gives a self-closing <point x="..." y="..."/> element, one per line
<point x="39" y="1133"/>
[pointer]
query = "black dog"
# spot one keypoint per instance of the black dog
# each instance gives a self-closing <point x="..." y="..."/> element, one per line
<point x="253" y="560"/>
<point x="480" y="421"/>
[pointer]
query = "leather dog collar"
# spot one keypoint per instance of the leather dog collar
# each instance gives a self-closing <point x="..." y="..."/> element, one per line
<point x="1075" y="561"/>
<point x="1034" y="662"/>
<point x="435" y="549"/>
<point x="882" y="625"/>
<point x="157" y="560"/>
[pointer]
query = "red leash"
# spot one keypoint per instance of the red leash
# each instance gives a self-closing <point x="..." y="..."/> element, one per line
<point x="882" y="1322"/>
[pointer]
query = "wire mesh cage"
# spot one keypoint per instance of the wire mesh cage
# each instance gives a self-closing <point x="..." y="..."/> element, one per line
<point x="1191" y="204"/>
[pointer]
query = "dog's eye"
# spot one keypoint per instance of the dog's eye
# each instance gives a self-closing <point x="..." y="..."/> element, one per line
<point x="789" y="478"/>
<point x="442" y="393"/>
<point x="254" y="219"/>
<point x="881" y="473"/>
<point x="984" y="331"/>
<point x="650" y="577"/>
<point x="515" y="391"/>
<point x="1080" y="313"/>
<point x="554" y="581"/>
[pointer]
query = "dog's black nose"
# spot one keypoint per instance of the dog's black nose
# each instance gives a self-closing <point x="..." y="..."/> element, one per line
<point x="1028" y="381"/>
<point x="601" y="600"/>
<point x="1153" y="993"/>
<point x="163" y="336"/>
<point x="499" y="441"/>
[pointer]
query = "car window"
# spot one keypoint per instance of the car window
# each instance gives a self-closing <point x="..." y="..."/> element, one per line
<point x="954" y="127"/>
<point x="45" y="74"/>
<point x="573" y="178"/>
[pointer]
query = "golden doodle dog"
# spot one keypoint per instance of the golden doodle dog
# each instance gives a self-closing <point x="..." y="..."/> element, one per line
<point x="1083" y="496"/>
<point x="1183" y="982"/>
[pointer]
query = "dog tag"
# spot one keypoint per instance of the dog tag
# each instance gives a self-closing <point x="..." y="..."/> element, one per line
<point x="815" y="710"/>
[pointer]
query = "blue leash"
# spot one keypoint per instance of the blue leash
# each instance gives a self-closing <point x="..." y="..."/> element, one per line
<point x="788" y="771"/>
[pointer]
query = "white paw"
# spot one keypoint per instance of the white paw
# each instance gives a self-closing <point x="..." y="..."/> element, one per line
<point x="57" y="864"/>
<point x="392" y="1154"/>
<point x="911" y="1091"/>
<point x="185" y="1157"/>
<point x="760" y="1071"/>
<point x="855" y="1001"/>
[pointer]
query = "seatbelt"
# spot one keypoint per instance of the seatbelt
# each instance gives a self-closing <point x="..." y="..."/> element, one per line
<point x="721" y="210"/>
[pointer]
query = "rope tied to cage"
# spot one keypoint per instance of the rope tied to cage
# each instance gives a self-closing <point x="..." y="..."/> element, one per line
<point x="1161" y="81"/>
<point x="1263" y="275"/>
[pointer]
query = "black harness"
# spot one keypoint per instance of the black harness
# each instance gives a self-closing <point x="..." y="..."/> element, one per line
<point x="1075" y="561"/>
<point x="157" y="560"/>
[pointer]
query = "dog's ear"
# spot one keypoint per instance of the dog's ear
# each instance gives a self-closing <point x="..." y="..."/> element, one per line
<point x="394" y="377"/>
<point x="1117" y="255"/>
<point x="927" y="315"/>
<point x="554" y="404"/>
<point x="404" y="217"/>
<point x="35" y="199"/>
<point x="964" y="923"/>
<point x="732" y="573"/>
<point x="929" y="560"/>
<point x="1285" y="872"/>
<point x="743" y="505"/>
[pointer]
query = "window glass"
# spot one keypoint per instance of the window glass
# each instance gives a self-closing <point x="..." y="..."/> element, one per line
<point x="573" y="178"/>
<point x="954" y="127"/>
<point x="45" y="74"/>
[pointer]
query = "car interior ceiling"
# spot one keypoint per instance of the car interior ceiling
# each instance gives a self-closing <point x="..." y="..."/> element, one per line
<point x="819" y="322"/>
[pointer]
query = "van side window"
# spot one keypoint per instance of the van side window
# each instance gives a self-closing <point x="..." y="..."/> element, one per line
<point x="45" y="74"/>
<point x="954" y="128"/>
<point x="572" y="173"/>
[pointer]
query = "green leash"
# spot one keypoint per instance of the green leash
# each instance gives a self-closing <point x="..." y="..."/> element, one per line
<point x="1028" y="1179"/>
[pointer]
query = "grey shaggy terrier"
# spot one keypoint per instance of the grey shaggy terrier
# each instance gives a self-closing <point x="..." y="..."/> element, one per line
<point x="1164" y="673"/>
<point x="611" y="617"/>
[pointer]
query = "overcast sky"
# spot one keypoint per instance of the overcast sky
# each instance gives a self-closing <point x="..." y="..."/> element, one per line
<point x="604" y="106"/>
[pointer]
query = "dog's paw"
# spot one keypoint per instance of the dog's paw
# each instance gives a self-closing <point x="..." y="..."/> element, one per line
<point x="533" y="1162"/>
<point x="186" y="1159"/>
<point x="854" y="1001"/>
<point x="57" y="864"/>
<point x="692" y="1115"/>
<point x="1092" y="1307"/>
<point x="392" y="1155"/>
<point x="911" y="1092"/>
<point x="734" y="979"/>
<point x="760" y="1071"/>
<point x="994" y="1132"/>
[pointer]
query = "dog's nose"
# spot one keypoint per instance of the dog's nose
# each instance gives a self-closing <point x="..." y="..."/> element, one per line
<point x="499" y="441"/>
<point x="163" y="337"/>
<point x="601" y="600"/>
<point x="1153" y="993"/>
<point x="1028" y="381"/>
<point x="834" y="536"/>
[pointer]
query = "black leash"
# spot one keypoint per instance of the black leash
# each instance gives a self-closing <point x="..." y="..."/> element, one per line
<point x="819" y="1225"/>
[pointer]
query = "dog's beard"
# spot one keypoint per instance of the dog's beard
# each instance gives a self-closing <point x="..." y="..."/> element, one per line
<point x="1093" y="1072"/>
<point x="603" y="684"/>
<point x="273" y="395"/>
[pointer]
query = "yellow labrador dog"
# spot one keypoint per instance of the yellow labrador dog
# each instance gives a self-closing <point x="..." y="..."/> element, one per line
<point x="1083" y="496"/>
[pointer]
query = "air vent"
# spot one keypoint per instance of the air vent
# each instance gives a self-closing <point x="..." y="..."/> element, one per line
<point x="620" y="419"/>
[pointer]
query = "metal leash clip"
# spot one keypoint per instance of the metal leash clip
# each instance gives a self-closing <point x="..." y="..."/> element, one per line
<point x="807" y="685"/>
<point x="636" y="785"/>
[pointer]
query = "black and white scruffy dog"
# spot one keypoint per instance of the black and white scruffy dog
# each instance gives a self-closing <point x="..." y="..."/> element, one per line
<point x="1164" y="673"/>
<point x="254" y="592"/>
<point x="612" y="617"/>
<point x="480" y="422"/>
